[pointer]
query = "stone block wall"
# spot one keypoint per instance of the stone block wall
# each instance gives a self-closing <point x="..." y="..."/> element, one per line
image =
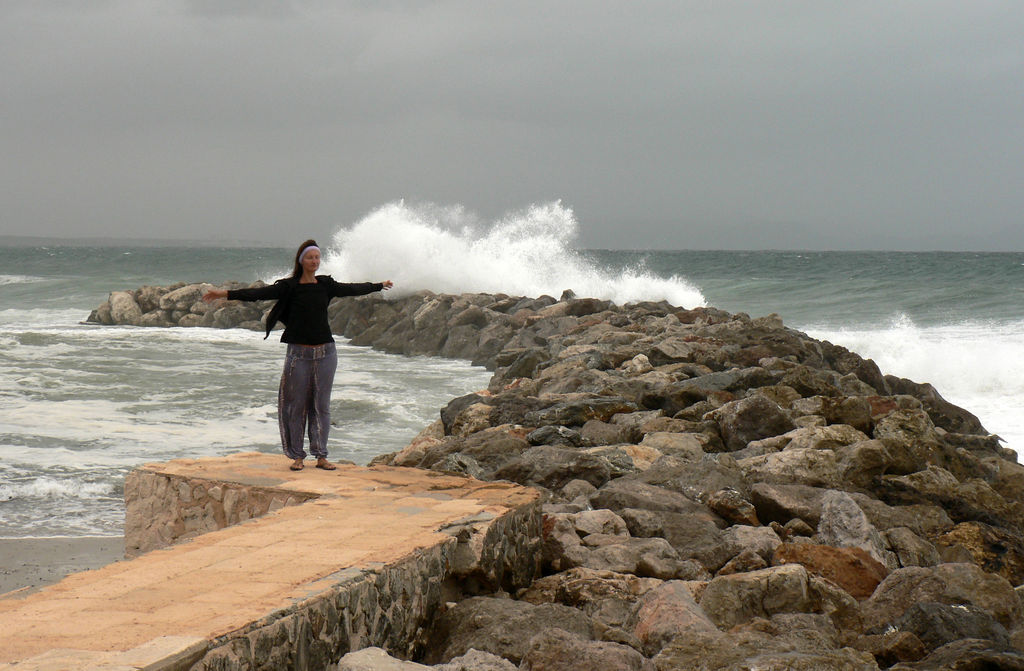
<point x="387" y="606"/>
<point x="390" y="606"/>
<point x="162" y="509"/>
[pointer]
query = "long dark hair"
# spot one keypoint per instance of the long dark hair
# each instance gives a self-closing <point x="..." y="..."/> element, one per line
<point x="297" y="270"/>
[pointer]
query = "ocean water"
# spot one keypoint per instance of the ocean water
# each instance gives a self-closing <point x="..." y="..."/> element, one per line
<point x="80" y="404"/>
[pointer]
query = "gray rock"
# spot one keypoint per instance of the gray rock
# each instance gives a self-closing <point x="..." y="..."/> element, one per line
<point x="731" y="506"/>
<point x="844" y="524"/>
<point x="738" y="598"/>
<point x="927" y="521"/>
<point x="936" y="624"/>
<point x="558" y="650"/>
<point x="693" y="537"/>
<point x="759" y="540"/>
<point x="782" y="503"/>
<point x="696" y="479"/>
<point x="811" y="467"/>
<point x="376" y="659"/>
<point x="502" y="627"/>
<point x="745" y="650"/>
<point x="650" y="557"/>
<point x="596" y="432"/>
<point x="553" y="467"/>
<point x="575" y="489"/>
<point x="751" y="418"/>
<point x="561" y="545"/>
<point x="953" y="584"/>
<point x="910" y="437"/>
<point x="599" y="522"/>
<point x="665" y="611"/>
<point x="630" y="492"/>
<point x="555" y="435"/>
<point x="967" y="655"/>
<point x="182" y="299"/>
<point x="477" y="660"/>
<point x="123" y="308"/>
<point x="684" y="446"/>
<point x="577" y="413"/>
<point x="910" y="549"/>
<point x="608" y="597"/>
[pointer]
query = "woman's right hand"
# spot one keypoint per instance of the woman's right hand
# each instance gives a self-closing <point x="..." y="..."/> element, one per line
<point x="215" y="294"/>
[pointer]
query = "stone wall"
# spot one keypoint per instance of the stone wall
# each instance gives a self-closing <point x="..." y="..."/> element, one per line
<point x="162" y="509"/>
<point x="381" y="605"/>
<point x="389" y="606"/>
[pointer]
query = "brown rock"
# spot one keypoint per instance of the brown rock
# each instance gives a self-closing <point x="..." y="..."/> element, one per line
<point x="744" y="562"/>
<point x="995" y="550"/>
<point x="665" y="611"/>
<point x="731" y="505"/>
<point x="892" y="647"/>
<point x="852" y="569"/>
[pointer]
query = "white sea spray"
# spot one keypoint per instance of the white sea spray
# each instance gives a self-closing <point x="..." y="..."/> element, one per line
<point x="529" y="252"/>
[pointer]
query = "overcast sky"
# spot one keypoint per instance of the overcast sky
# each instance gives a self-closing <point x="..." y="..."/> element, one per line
<point x="685" y="125"/>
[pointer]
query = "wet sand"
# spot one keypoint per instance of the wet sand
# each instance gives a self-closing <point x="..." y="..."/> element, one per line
<point x="35" y="562"/>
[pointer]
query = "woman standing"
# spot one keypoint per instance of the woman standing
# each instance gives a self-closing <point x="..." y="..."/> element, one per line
<point x="304" y="397"/>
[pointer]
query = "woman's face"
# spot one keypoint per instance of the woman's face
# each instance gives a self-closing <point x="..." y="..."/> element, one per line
<point x="311" y="261"/>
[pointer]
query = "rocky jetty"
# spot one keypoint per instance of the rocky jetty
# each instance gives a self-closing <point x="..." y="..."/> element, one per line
<point x="721" y="492"/>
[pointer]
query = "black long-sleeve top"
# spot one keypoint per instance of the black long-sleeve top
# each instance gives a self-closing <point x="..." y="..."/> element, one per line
<point x="302" y="308"/>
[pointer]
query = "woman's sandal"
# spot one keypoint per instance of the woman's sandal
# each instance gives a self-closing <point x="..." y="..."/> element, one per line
<point x="297" y="465"/>
<point x="326" y="465"/>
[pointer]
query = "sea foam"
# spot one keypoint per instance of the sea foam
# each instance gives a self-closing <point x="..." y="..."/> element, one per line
<point x="449" y="250"/>
<point x="976" y="365"/>
<point x="19" y="279"/>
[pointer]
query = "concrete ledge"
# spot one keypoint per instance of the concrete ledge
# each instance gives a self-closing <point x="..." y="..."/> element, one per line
<point x="364" y="561"/>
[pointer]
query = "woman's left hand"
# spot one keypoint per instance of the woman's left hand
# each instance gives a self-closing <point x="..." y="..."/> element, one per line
<point x="388" y="284"/>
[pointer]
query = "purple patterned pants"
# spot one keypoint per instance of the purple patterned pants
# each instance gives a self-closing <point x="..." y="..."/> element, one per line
<point x="304" y="398"/>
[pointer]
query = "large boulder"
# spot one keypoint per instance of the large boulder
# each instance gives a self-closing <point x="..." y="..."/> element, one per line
<point x="631" y="492"/>
<point x="663" y="612"/>
<point x="748" y="649"/>
<point x="844" y="524"/>
<point x="852" y="569"/>
<point x="734" y="599"/>
<point x="696" y="479"/>
<point x="951" y="584"/>
<point x="1000" y="551"/>
<point x="579" y="412"/>
<point x="553" y="467"/>
<point x="751" y="418"/>
<point x="784" y="502"/>
<point x="184" y="298"/>
<point x="967" y="655"/>
<point x="558" y="650"/>
<point x="936" y="624"/>
<point x="376" y="659"/>
<point x="503" y="627"/>
<point x="123" y="308"/>
<point x="808" y="466"/>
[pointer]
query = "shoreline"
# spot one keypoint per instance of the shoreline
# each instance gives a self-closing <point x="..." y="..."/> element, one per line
<point x="28" y="564"/>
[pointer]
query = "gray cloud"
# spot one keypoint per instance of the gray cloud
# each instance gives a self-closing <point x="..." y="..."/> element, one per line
<point x="680" y="125"/>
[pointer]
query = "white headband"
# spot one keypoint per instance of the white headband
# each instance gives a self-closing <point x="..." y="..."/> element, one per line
<point x="303" y="252"/>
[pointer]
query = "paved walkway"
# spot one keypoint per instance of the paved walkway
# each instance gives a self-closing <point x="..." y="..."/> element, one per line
<point x="222" y="581"/>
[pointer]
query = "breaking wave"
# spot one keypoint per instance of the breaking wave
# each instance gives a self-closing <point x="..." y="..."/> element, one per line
<point x="449" y="250"/>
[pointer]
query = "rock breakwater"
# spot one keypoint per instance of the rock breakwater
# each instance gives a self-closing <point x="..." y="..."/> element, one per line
<point x="721" y="492"/>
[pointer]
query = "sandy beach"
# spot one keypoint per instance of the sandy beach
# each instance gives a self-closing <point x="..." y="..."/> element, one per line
<point x="35" y="562"/>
